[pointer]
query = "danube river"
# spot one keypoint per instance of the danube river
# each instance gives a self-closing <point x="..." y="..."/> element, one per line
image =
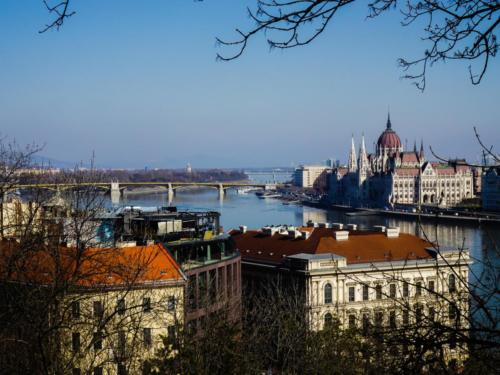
<point x="248" y="209"/>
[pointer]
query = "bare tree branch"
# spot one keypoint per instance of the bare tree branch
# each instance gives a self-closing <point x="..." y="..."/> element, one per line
<point x="61" y="12"/>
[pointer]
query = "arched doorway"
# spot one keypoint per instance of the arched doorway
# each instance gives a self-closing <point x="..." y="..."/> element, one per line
<point x="328" y="320"/>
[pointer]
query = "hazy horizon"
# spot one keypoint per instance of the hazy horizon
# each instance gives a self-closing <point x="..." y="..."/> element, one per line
<point x="139" y="86"/>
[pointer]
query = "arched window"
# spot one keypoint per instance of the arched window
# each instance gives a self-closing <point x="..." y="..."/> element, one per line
<point x="452" y="286"/>
<point x="452" y="311"/>
<point x="328" y="320"/>
<point x="378" y="292"/>
<point x="328" y="293"/>
<point x="352" y="321"/>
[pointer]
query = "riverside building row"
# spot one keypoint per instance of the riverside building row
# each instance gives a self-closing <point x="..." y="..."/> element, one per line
<point x="392" y="175"/>
<point x="148" y="272"/>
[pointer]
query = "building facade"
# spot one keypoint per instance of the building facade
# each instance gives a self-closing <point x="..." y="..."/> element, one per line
<point x="196" y="242"/>
<point x="116" y="323"/>
<point x="360" y="278"/>
<point x="391" y="176"/>
<point x="312" y="176"/>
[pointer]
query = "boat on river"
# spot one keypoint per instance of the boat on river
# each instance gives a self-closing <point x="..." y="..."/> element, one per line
<point x="269" y="195"/>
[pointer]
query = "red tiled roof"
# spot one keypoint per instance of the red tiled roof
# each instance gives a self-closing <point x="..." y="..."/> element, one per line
<point x="409" y="157"/>
<point x="93" y="266"/>
<point x="360" y="247"/>
<point x="407" y="171"/>
<point x="445" y="171"/>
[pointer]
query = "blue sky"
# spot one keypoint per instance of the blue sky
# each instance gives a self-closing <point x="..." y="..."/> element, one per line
<point x="137" y="82"/>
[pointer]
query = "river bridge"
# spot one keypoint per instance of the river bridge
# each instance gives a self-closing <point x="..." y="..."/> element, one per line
<point x="116" y="188"/>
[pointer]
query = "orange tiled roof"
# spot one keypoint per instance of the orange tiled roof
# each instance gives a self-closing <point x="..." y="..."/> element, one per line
<point x="360" y="247"/>
<point x="92" y="266"/>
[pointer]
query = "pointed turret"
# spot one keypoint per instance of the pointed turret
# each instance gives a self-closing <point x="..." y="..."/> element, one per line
<point x="363" y="158"/>
<point x="415" y="147"/>
<point x="352" y="158"/>
<point x="389" y="126"/>
<point x="421" y="155"/>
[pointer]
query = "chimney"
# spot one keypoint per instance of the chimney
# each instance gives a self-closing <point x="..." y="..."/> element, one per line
<point x="293" y="233"/>
<point x="243" y="228"/>
<point x="338" y="226"/>
<point x="352" y="226"/>
<point x="379" y="228"/>
<point x="305" y="234"/>
<point x="341" y="235"/>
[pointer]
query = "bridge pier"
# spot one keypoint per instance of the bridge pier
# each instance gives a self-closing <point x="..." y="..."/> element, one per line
<point x="221" y="191"/>
<point x="171" y="193"/>
<point x="115" y="192"/>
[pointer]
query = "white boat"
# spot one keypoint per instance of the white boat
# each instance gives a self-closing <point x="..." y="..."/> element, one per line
<point x="244" y="190"/>
<point x="269" y="195"/>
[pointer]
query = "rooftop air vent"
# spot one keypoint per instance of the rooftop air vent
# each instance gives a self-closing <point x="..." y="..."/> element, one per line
<point x="379" y="228"/>
<point x="352" y="226"/>
<point x="337" y="226"/>
<point x="392" y="232"/>
<point x="269" y="231"/>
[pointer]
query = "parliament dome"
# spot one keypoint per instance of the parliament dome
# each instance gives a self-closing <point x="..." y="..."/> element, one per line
<point x="389" y="138"/>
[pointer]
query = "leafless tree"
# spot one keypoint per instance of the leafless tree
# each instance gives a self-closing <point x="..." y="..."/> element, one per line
<point x="487" y="150"/>
<point x="60" y="10"/>
<point x="49" y="264"/>
<point x="455" y="30"/>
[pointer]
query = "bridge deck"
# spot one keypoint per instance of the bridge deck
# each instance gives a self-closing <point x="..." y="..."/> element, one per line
<point x="147" y="183"/>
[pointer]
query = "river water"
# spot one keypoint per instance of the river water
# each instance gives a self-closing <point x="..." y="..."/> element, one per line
<point x="248" y="209"/>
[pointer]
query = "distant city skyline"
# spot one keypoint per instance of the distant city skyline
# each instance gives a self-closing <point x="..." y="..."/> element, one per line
<point x="139" y="86"/>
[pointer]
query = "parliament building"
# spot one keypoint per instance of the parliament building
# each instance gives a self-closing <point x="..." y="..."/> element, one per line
<point x="392" y="175"/>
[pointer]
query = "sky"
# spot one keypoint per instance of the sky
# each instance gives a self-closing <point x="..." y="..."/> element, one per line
<point x="137" y="83"/>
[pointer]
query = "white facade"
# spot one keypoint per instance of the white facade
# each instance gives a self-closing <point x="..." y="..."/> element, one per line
<point x="311" y="176"/>
<point x="365" y="289"/>
<point x="391" y="175"/>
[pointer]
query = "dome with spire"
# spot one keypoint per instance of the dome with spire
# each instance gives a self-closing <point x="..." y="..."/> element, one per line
<point x="389" y="139"/>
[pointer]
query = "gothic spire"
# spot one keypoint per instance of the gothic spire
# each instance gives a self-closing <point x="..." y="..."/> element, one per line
<point x="389" y="125"/>
<point x="415" y="147"/>
<point x="421" y="155"/>
<point x="352" y="167"/>
<point x="363" y="158"/>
